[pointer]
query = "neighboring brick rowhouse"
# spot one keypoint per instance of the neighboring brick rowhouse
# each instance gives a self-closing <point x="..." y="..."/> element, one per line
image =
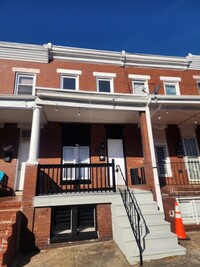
<point x="104" y="221"/>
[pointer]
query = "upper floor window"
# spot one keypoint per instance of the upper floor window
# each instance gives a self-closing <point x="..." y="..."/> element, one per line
<point x="25" y="80"/>
<point x="198" y="85"/>
<point x="197" y="78"/>
<point x="139" y="84"/>
<point x="171" y="85"/>
<point x="105" y="82"/>
<point x="69" y="82"/>
<point x="69" y="79"/>
<point x="25" y="84"/>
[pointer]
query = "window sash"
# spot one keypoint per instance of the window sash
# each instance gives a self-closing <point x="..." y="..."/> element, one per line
<point x="170" y="89"/>
<point x="138" y="86"/>
<point x="24" y="84"/>
<point x="69" y="82"/>
<point x="104" y="85"/>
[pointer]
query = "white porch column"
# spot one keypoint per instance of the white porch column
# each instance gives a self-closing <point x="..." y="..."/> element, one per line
<point x="35" y="136"/>
<point x="153" y="159"/>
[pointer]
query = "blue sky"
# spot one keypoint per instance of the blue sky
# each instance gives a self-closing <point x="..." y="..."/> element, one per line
<point x="163" y="27"/>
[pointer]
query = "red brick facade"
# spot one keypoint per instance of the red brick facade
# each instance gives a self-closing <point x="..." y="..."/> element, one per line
<point x="36" y="222"/>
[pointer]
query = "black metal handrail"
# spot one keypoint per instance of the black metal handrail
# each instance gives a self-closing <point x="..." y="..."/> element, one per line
<point x="73" y="178"/>
<point x="135" y="217"/>
<point x="179" y="173"/>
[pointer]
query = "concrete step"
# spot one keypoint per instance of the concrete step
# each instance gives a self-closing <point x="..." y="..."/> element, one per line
<point x="142" y="195"/>
<point x="157" y="239"/>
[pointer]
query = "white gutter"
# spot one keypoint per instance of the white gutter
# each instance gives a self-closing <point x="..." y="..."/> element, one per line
<point x="89" y="97"/>
<point x="153" y="157"/>
<point x="94" y="106"/>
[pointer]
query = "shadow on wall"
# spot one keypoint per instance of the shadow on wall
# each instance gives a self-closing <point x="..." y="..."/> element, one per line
<point x="21" y="240"/>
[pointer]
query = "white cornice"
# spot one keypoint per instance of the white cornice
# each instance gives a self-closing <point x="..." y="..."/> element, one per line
<point x="24" y="52"/>
<point x="44" y="53"/>
<point x="118" y="58"/>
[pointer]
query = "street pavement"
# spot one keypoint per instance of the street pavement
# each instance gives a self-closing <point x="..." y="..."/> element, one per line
<point x="106" y="254"/>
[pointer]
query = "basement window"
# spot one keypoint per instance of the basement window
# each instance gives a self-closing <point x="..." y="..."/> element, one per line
<point x="70" y="223"/>
<point x="190" y="210"/>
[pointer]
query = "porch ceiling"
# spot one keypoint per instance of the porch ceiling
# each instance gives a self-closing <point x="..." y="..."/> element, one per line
<point x="178" y="114"/>
<point x="89" y="115"/>
<point x="16" y="115"/>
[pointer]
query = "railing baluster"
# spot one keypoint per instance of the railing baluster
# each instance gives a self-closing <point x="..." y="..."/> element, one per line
<point x="72" y="178"/>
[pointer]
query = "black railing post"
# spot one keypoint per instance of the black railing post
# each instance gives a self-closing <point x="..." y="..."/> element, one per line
<point x="113" y="175"/>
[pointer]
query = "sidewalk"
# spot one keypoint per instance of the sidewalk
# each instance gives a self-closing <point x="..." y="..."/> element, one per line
<point x="107" y="254"/>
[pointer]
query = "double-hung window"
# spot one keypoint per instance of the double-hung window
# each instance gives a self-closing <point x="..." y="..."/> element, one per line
<point x="25" y="84"/>
<point x="25" y="80"/>
<point x="171" y="85"/>
<point x="105" y="83"/>
<point x="139" y="84"/>
<point x="69" y="79"/>
<point x="198" y="85"/>
<point x="197" y="78"/>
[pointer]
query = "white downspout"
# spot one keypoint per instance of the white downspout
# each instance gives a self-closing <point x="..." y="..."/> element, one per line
<point x="153" y="157"/>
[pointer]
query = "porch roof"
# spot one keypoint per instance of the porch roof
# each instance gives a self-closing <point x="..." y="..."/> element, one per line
<point x="81" y="106"/>
<point x="175" y="109"/>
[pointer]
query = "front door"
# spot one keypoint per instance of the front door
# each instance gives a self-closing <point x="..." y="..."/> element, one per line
<point x="75" y="155"/>
<point x="22" y="159"/>
<point x="116" y="152"/>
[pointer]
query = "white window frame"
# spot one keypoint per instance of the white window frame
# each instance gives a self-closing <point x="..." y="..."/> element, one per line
<point x="197" y="78"/>
<point x="167" y="160"/>
<point x="28" y="75"/>
<point x="173" y="81"/>
<point x="68" y="73"/>
<point x="104" y="76"/>
<point x="141" y="79"/>
<point x="76" y="78"/>
<point x="198" y="86"/>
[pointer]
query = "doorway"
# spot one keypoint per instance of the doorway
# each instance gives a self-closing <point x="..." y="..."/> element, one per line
<point x="116" y="152"/>
<point x="23" y="154"/>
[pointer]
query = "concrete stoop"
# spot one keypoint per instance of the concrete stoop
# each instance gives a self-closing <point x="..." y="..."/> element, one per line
<point x="157" y="240"/>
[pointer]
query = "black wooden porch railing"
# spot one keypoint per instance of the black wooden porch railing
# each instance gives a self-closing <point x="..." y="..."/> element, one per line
<point x="73" y="178"/>
<point x="136" y="219"/>
<point x="179" y="173"/>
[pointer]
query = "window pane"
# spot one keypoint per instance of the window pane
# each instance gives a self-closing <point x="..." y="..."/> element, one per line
<point x="25" y="80"/>
<point x="170" y="89"/>
<point x="104" y="86"/>
<point x="24" y="90"/>
<point x="69" y="83"/>
<point x="138" y="87"/>
<point x="198" y="85"/>
<point x="190" y="148"/>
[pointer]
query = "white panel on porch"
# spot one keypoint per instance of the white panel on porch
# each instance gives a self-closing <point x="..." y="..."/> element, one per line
<point x="22" y="159"/>
<point x="116" y="152"/>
